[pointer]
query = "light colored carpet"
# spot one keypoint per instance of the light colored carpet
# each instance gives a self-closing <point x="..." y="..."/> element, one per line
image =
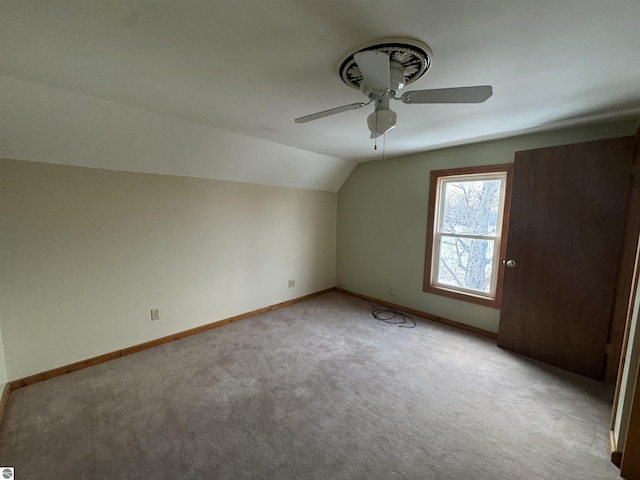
<point x="315" y="390"/>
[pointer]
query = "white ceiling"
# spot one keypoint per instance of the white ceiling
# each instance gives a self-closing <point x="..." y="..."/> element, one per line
<point x="252" y="66"/>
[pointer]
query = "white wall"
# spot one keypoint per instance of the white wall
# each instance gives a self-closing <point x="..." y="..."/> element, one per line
<point x="382" y="219"/>
<point x="89" y="252"/>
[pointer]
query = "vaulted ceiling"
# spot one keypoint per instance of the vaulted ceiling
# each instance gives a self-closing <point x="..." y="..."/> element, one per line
<point x="233" y="69"/>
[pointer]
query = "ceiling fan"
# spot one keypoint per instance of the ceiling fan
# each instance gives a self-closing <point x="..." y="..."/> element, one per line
<point x="381" y="69"/>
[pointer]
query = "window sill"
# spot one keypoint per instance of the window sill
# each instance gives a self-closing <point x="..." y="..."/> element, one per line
<point x="465" y="297"/>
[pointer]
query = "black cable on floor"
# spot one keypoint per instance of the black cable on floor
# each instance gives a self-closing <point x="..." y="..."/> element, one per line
<point x="388" y="314"/>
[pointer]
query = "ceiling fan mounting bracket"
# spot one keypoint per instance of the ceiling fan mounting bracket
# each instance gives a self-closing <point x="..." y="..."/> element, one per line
<point x="410" y="60"/>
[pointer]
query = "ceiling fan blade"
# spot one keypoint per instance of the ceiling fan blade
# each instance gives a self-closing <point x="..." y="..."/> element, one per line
<point x="331" y="111"/>
<point x="476" y="94"/>
<point x="375" y="69"/>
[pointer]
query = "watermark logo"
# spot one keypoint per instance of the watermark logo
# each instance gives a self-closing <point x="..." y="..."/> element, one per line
<point x="7" y="472"/>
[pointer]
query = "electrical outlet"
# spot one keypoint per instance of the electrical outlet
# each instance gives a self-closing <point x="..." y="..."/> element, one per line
<point x="392" y="292"/>
<point x="292" y="283"/>
<point x="155" y="314"/>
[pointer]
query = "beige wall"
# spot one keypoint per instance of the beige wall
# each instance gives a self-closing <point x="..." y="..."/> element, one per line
<point x="89" y="252"/>
<point x="382" y="219"/>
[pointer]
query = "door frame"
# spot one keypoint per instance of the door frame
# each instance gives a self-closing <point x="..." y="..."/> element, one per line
<point x="627" y="276"/>
<point x="629" y="459"/>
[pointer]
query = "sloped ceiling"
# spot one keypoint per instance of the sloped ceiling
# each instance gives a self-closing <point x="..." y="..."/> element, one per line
<point x="225" y="70"/>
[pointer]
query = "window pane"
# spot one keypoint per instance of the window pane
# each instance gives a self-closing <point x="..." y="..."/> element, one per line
<point x="465" y="263"/>
<point x="470" y="206"/>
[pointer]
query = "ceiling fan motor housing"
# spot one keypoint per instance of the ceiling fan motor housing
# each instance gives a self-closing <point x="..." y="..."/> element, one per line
<point x="396" y="83"/>
<point x="397" y="78"/>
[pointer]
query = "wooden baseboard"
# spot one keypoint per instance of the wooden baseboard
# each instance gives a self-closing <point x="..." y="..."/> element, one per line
<point x="616" y="457"/>
<point x="429" y="316"/>
<point x="56" y="372"/>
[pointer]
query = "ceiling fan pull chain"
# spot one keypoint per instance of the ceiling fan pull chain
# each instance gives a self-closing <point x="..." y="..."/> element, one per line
<point x="384" y="145"/>
<point x="375" y="139"/>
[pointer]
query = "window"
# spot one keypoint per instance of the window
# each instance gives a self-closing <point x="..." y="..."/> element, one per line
<point x="468" y="210"/>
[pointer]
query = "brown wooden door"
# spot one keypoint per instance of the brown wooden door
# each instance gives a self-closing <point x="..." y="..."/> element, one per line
<point x="566" y="226"/>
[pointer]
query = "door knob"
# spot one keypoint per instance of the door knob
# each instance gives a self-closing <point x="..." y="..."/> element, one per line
<point x="510" y="263"/>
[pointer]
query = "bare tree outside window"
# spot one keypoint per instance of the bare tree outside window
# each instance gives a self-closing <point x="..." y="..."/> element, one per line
<point x="470" y="207"/>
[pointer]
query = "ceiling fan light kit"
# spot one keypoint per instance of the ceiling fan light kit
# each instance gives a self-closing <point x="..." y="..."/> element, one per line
<point x="383" y="119"/>
<point x="381" y="122"/>
<point x="381" y="69"/>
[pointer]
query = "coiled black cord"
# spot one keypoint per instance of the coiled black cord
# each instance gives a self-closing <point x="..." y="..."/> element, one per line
<point x="389" y="315"/>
